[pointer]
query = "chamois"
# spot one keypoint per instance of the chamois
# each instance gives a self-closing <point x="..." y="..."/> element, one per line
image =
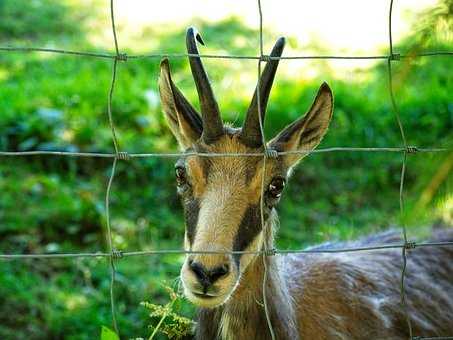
<point x="309" y="296"/>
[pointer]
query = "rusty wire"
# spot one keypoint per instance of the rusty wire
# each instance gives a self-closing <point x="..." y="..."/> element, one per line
<point x="114" y="254"/>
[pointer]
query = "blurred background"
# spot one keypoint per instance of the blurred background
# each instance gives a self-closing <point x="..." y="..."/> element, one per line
<point x="58" y="102"/>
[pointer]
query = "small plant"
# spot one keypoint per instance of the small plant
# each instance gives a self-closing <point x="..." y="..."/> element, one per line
<point x="108" y="334"/>
<point x="169" y="323"/>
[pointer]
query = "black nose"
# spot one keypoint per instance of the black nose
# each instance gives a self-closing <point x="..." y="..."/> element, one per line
<point x="205" y="276"/>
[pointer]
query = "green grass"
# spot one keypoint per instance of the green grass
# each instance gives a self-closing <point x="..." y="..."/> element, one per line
<point x="56" y="204"/>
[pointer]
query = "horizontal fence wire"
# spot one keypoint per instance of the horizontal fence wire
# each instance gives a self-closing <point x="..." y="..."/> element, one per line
<point x="126" y="155"/>
<point x="264" y="57"/>
<point x="269" y="252"/>
<point x="114" y="254"/>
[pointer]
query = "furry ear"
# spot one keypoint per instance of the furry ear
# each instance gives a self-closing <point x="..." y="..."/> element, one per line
<point x="307" y="132"/>
<point x="183" y="119"/>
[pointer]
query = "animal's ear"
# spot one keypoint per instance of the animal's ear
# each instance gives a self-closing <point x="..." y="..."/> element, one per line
<point x="183" y="119"/>
<point x="306" y="133"/>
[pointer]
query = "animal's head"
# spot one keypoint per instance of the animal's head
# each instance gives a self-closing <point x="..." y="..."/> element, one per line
<point x="221" y="195"/>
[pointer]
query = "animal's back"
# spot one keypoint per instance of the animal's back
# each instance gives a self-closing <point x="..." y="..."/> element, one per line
<point x="357" y="295"/>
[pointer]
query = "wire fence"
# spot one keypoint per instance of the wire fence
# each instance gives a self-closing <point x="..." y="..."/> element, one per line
<point x="113" y="254"/>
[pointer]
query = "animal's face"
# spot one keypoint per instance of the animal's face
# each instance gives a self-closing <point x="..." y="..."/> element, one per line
<point x="221" y="199"/>
<point x="221" y="196"/>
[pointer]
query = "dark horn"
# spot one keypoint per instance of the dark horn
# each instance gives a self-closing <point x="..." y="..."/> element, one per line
<point x="212" y="122"/>
<point x="251" y="132"/>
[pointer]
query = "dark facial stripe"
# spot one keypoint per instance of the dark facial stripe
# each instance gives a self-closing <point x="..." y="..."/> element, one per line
<point x="191" y="210"/>
<point x="248" y="229"/>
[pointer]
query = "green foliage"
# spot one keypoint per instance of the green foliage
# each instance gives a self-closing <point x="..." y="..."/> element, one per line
<point x="36" y="19"/>
<point x="56" y="204"/>
<point x="108" y="334"/>
<point x="168" y="322"/>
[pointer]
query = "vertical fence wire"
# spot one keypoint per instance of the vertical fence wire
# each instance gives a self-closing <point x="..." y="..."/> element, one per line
<point x="264" y="226"/>
<point x="110" y="245"/>
<point x="393" y="56"/>
<point x="112" y="174"/>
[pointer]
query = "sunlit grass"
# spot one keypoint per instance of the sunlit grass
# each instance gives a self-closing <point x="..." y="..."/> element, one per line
<point x="60" y="102"/>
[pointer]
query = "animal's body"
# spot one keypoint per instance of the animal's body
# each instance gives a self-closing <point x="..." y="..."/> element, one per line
<point x="230" y="205"/>
<point x="342" y="295"/>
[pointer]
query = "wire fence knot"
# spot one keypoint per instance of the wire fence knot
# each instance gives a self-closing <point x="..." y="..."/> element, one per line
<point x="395" y="56"/>
<point x="265" y="58"/>
<point x="410" y="245"/>
<point x="121" y="57"/>
<point x="116" y="254"/>
<point x="270" y="252"/>
<point x="411" y="149"/>
<point x="270" y="153"/>
<point x="123" y="155"/>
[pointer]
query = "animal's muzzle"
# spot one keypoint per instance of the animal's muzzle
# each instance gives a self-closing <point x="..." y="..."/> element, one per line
<point x="207" y="277"/>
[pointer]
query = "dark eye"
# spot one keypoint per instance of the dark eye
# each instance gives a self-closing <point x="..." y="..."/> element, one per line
<point x="276" y="187"/>
<point x="180" y="174"/>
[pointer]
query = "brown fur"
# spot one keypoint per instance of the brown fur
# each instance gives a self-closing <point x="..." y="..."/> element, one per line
<point x="344" y="296"/>
<point x="358" y="294"/>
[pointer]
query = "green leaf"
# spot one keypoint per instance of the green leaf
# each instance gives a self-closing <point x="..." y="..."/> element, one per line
<point x="108" y="334"/>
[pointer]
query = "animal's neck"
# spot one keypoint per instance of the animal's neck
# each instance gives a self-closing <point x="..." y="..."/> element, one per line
<point x="243" y="315"/>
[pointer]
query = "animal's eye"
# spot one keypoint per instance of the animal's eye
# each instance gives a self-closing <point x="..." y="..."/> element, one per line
<point x="276" y="187"/>
<point x="180" y="174"/>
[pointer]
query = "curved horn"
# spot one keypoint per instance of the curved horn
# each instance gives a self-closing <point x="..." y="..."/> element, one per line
<point x="251" y="132"/>
<point x="212" y="123"/>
